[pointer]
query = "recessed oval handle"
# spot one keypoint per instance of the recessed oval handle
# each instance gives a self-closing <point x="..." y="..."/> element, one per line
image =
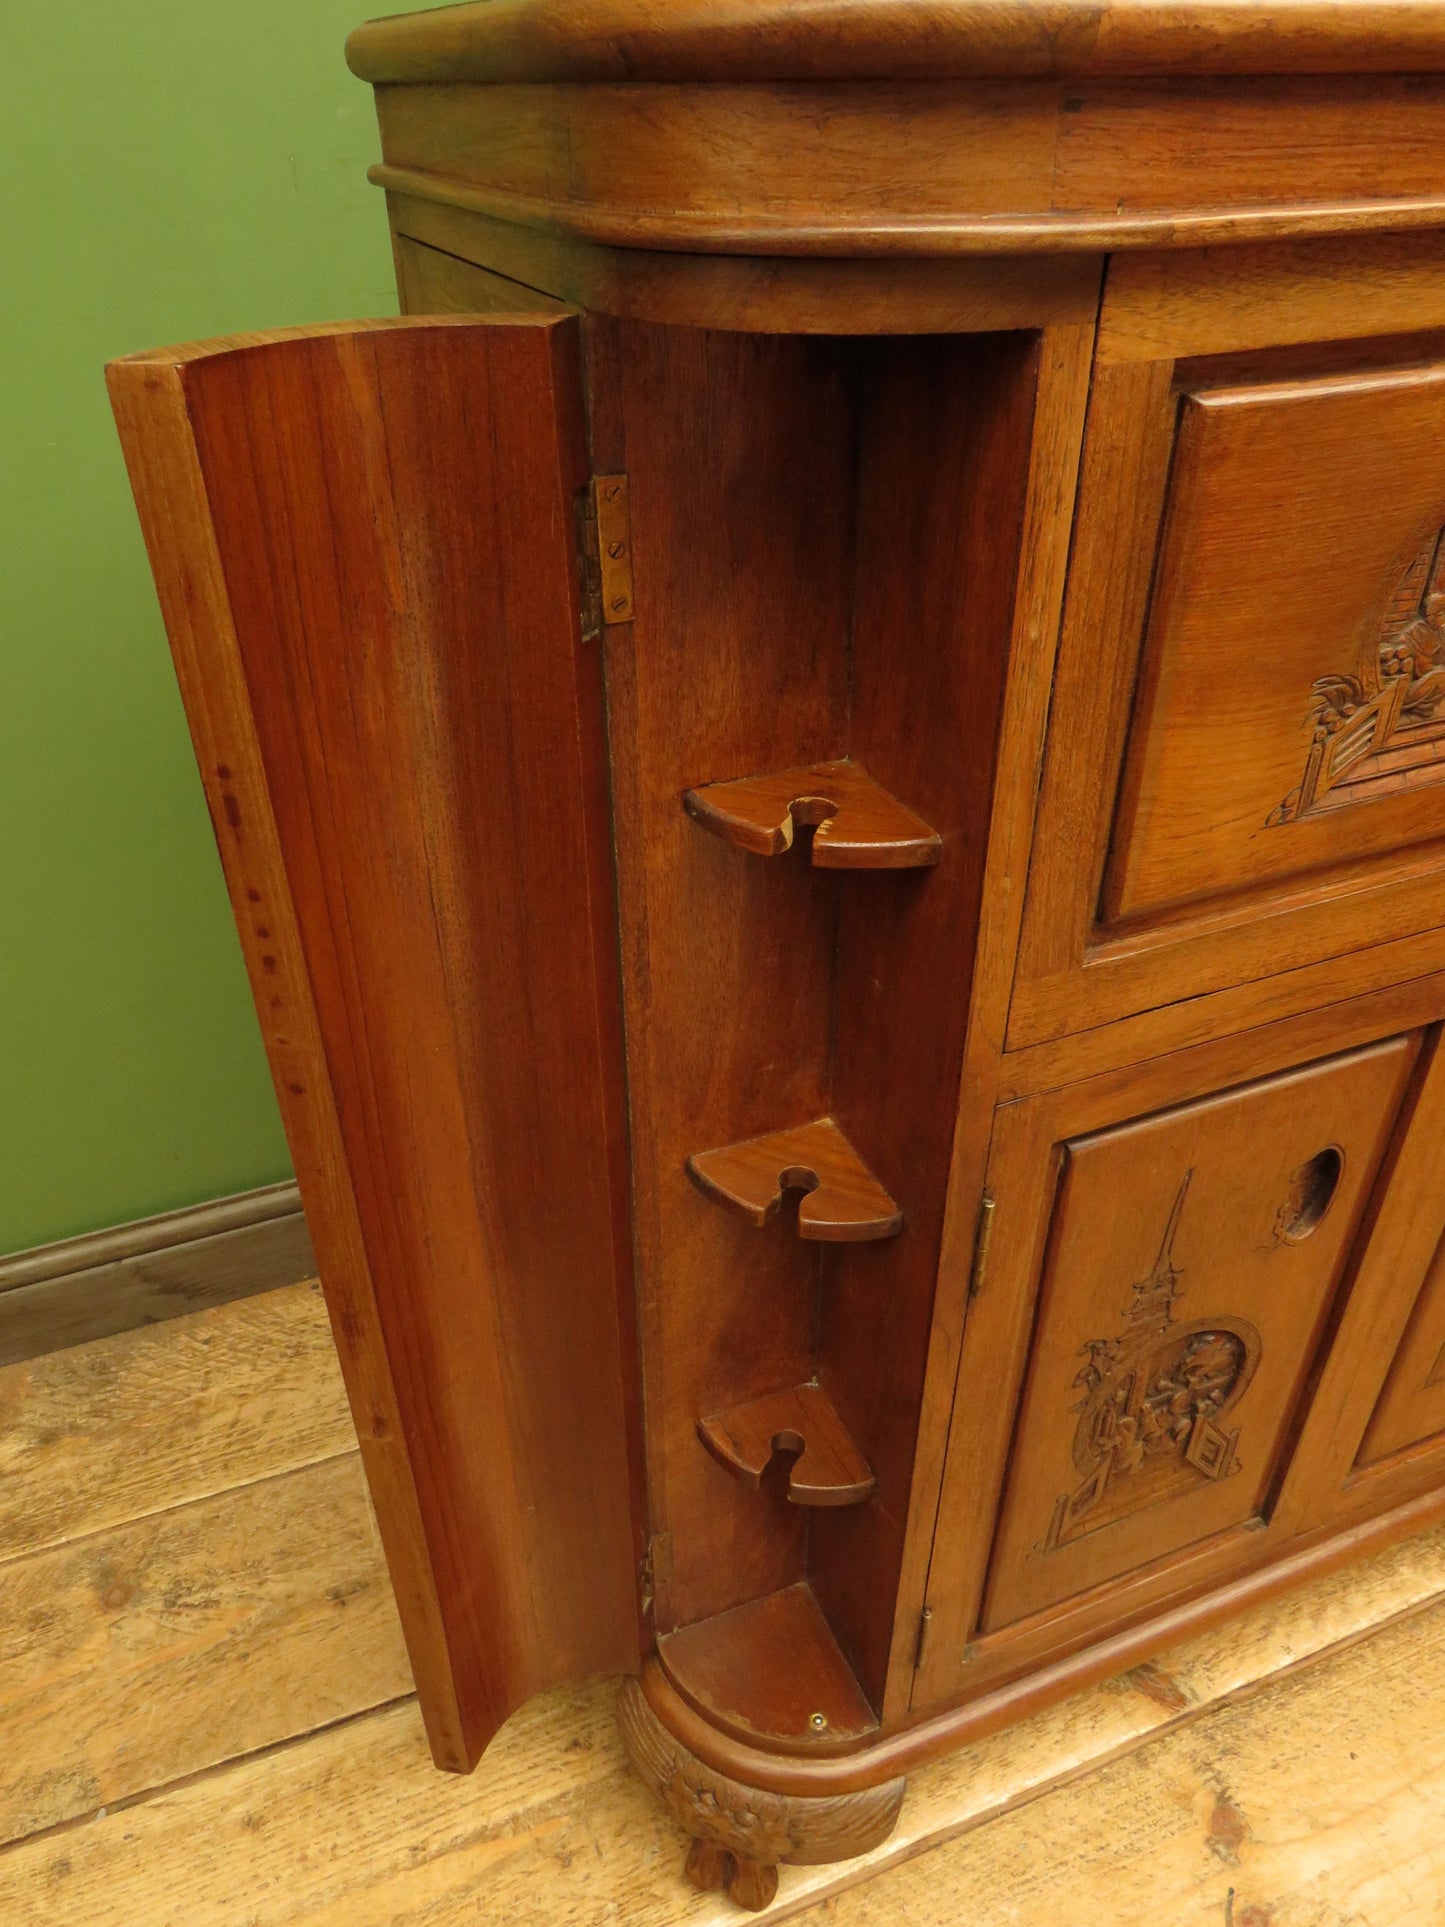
<point x="1311" y="1193"/>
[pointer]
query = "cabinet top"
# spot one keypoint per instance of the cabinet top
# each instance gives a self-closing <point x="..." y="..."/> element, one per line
<point x="782" y="40"/>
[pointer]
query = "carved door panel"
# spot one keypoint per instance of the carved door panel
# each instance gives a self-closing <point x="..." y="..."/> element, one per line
<point x="1165" y="1259"/>
<point x="1247" y="741"/>
<point x="1190" y="1263"/>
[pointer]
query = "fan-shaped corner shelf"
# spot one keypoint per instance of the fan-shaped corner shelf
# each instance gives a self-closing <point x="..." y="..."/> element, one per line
<point x="829" y="1468"/>
<point x="859" y="825"/>
<point x="845" y="1203"/>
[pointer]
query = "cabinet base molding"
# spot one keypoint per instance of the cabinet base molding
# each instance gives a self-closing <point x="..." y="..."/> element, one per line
<point x="679" y="1736"/>
<point x="740" y="1832"/>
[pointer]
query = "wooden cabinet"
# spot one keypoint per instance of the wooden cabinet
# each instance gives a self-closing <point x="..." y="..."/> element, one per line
<point x="830" y="766"/>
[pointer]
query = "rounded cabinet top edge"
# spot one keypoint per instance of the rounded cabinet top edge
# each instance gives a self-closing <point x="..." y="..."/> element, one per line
<point x="896" y="40"/>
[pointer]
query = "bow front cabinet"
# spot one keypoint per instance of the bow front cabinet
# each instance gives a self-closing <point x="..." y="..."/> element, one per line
<point x="831" y="763"/>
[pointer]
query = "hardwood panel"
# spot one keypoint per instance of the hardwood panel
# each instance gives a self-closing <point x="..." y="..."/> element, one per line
<point x="430" y="281"/>
<point x="997" y="1337"/>
<point x="938" y="166"/>
<point x="122" y="1652"/>
<point x="1327" y="1483"/>
<point x="148" y="1420"/>
<point x="1291" y="668"/>
<point x="653" y="40"/>
<point x="1191" y="1260"/>
<point x="1245" y="145"/>
<point x="1064" y="361"/>
<point x="1127" y="446"/>
<point x="943" y="481"/>
<point x="1412" y="1404"/>
<point x="771" y="1673"/>
<point x="754" y="294"/>
<point x="362" y="537"/>
<point x="558" y="1829"/>
<point x="1188" y="875"/>
<point x="1197" y="301"/>
<point x="1309" y="1805"/>
<point x="739" y="452"/>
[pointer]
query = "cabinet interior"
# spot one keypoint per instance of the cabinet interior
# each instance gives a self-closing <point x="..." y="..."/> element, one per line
<point x="825" y="539"/>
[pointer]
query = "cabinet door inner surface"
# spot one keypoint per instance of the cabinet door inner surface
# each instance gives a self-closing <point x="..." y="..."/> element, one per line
<point x="1190" y="1264"/>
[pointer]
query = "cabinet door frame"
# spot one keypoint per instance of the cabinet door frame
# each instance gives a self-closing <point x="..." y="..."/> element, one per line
<point x="1022" y="1174"/>
<point x="1160" y="312"/>
<point x="1328" y="1487"/>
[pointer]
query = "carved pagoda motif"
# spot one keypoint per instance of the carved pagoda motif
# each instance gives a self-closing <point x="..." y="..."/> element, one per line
<point x="1382" y="730"/>
<point x="1153" y="1398"/>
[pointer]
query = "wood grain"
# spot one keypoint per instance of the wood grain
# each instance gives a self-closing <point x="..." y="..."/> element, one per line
<point x="736" y="662"/>
<point x="650" y="40"/>
<point x="842" y="1201"/>
<point x="1191" y="1221"/>
<point x="1055" y="441"/>
<point x="932" y="166"/>
<point x="859" y="826"/>
<point x="767" y="294"/>
<point x="360" y="536"/>
<point x="826" y="1468"/>
<point x="1412" y="1403"/>
<point x="1252" y="1815"/>
<point x="558" y="1829"/>
<point x="1198" y="302"/>
<point x="1222" y="730"/>
<point x="943" y="496"/>
<point x="430" y="281"/>
<point x="1280" y="895"/>
<point x="771" y="1675"/>
<point x="1026" y="1138"/>
<point x="145" y="1421"/>
<point x="165" y="1645"/>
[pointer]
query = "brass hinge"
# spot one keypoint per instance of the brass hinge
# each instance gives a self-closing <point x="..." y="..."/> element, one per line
<point x="656" y="1567"/>
<point x="606" y="553"/>
<point x="981" y="1238"/>
<point x="925" y="1627"/>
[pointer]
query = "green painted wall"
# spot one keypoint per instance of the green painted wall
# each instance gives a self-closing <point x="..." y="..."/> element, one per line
<point x="185" y="168"/>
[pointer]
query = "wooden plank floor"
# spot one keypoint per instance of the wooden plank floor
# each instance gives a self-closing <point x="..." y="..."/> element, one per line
<point x="206" y="1719"/>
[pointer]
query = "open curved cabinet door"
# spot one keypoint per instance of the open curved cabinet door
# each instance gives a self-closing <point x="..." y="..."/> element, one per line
<point x="365" y="542"/>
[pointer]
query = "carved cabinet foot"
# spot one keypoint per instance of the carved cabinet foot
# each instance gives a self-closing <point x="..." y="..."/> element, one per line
<point x="751" y="1883"/>
<point x="741" y="1833"/>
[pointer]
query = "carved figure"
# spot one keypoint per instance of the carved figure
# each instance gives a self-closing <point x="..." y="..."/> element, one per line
<point x="1153" y="1397"/>
<point x="1381" y="731"/>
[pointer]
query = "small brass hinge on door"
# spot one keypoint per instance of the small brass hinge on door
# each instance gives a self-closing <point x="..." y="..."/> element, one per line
<point x="656" y="1568"/>
<point x="982" y="1234"/>
<point x="925" y="1627"/>
<point x="612" y="519"/>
